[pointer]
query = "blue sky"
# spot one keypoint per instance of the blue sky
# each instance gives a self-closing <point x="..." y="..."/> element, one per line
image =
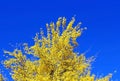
<point x="20" y="20"/>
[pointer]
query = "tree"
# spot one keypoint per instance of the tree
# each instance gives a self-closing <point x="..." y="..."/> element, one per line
<point x="57" y="61"/>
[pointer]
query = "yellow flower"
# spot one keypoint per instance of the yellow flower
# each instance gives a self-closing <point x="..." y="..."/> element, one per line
<point x="57" y="60"/>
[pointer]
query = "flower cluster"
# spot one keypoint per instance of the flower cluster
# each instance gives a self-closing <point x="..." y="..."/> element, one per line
<point x="57" y="61"/>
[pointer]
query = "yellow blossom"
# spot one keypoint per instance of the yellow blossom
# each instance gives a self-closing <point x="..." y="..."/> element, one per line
<point x="57" y="61"/>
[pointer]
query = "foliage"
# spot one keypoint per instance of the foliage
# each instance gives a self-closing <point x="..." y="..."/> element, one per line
<point x="1" y="77"/>
<point x="57" y="61"/>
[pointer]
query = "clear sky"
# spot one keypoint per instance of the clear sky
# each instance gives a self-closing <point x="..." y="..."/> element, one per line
<point x="20" y="20"/>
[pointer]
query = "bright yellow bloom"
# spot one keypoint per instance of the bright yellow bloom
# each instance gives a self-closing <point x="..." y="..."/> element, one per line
<point x="57" y="61"/>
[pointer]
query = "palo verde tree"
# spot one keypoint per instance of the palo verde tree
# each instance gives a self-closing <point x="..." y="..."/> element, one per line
<point x="57" y="60"/>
